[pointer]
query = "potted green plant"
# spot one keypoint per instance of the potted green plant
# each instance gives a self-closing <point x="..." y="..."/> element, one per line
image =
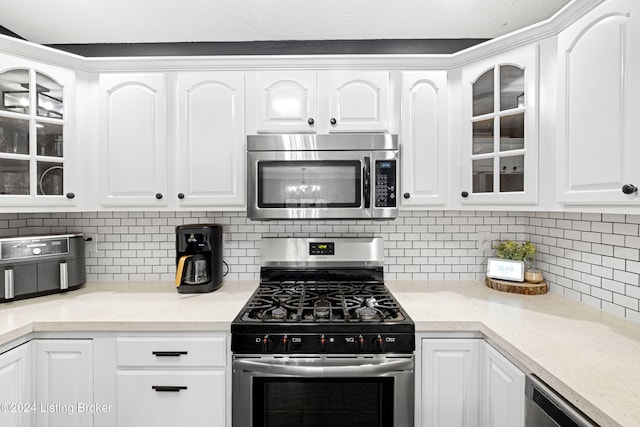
<point x="523" y="252"/>
<point x="518" y="251"/>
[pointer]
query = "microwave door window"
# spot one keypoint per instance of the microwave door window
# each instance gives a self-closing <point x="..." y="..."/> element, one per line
<point x="309" y="184"/>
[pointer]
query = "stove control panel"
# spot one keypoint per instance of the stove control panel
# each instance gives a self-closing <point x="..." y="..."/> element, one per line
<point x="322" y="248"/>
<point x="324" y="343"/>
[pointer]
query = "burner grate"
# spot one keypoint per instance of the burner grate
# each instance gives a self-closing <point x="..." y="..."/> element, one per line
<point x="322" y="302"/>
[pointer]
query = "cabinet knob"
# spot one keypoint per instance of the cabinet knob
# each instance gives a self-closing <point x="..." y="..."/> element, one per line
<point x="311" y="121"/>
<point x="465" y="194"/>
<point x="629" y="189"/>
<point x="333" y="121"/>
<point x="180" y="196"/>
<point x="406" y="195"/>
<point x="71" y="195"/>
<point x="159" y="196"/>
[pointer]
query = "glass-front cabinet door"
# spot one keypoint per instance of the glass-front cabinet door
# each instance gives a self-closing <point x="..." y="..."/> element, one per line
<point x="33" y="135"/>
<point x="500" y="129"/>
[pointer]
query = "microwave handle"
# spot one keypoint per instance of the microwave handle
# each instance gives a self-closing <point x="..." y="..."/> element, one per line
<point x="366" y="187"/>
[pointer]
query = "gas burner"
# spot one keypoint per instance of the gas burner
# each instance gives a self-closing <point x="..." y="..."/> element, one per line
<point x="322" y="307"/>
<point x="367" y="313"/>
<point x="278" y="313"/>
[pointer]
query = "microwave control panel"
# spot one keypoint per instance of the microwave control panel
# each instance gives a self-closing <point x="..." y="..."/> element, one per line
<point x="385" y="183"/>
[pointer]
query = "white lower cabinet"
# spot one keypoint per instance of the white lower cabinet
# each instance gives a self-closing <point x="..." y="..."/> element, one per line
<point x="502" y="390"/>
<point x="173" y="398"/>
<point x="64" y="382"/>
<point x="466" y="382"/>
<point x="450" y="382"/>
<point x="172" y="381"/>
<point x="16" y="387"/>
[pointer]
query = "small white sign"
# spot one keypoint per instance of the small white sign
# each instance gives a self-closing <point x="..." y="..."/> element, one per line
<point x="505" y="269"/>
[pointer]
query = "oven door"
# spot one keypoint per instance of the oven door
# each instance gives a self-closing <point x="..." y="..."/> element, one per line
<point x="306" y="391"/>
<point x="316" y="184"/>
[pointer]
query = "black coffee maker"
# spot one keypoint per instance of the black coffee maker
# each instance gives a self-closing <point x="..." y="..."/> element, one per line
<point x="198" y="258"/>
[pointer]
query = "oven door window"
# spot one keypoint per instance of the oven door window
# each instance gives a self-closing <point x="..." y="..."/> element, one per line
<point x="322" y="402"/>
<point x="309" y="184"/>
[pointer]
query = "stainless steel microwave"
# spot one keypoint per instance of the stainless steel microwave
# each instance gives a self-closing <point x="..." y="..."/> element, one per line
<point x="336" y="176"/>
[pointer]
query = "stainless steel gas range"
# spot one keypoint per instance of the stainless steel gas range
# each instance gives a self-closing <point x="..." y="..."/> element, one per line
<point x="322" y="342"/>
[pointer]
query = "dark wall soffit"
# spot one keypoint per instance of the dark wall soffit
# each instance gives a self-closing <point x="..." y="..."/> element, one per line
<point x="294" y="47"/>
<point x="6" y="32"/>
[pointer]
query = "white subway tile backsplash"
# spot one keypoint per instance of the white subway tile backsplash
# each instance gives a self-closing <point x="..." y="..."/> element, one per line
<point x="626" y="229"/>
<point x="627" y="253"/>
<point x="588" y="257"/>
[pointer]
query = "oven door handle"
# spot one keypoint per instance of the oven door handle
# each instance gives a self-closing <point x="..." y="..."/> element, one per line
<point x="361" y="367"/>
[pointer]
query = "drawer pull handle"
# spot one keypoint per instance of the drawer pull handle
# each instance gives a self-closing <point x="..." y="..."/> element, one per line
<point x="171" y="388"/>
<point x="169" y="353"/>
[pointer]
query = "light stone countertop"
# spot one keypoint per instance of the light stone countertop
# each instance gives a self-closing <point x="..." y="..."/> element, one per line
<point x="590" y="357"/>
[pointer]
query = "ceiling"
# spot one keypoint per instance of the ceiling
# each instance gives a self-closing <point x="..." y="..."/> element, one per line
<point x="156" y="21"/>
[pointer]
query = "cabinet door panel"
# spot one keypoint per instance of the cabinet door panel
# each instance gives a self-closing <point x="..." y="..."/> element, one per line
<point x="286" y="100"/>
<point x="450" y="382"/>
<point x="64" y="377"/>
<point x="597" y="94"/>
<point x="358" y="101"/>
<point x="39" y="157"/>
<point x="15" y="386"/>
<point x="502" y="391"/>
<point x="500" y="129"/>
<point x="211" y="138"/>
<point x="133" y="140"/>
<point x="423" y="137"/>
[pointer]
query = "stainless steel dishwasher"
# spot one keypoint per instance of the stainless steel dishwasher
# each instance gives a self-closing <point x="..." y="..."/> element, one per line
<point x="545" y="408"/>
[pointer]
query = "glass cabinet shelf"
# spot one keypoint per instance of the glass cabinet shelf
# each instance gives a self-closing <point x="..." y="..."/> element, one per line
<point x="498" y="118"/>
<point x="31" y="134"/>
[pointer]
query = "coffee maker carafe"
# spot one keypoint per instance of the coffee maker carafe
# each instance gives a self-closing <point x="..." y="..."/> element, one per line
<point x="198" y="258"/>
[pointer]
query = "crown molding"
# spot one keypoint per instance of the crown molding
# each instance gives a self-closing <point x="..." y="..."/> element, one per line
<point x="532" y="34"/>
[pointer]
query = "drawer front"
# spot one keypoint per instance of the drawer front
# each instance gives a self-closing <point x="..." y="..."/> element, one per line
<point x="192" y="398"/>
<point x="157" y="352"/>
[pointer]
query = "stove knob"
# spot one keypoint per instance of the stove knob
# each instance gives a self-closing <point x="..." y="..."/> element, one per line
<point x="322" y="343"/>
<point x="378" y="344"/>
<point x="360" y="343"/>
<point x="267" y="344"/>
<point x="284" y="343"/>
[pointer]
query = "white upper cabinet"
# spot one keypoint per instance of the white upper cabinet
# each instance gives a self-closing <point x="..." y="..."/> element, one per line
<point x="423" y="138"/>
<point x="285" y="101"/>
<point x="133" y="140"/>
<point x="203" y="112"/>
<point x="210" y="139"/>
<point x="598" y="93"/>
<point x="318" y="102"/>
<point x="38" y="154"/>
<point x="354" y="101"/>
<point x="500" y="129"/>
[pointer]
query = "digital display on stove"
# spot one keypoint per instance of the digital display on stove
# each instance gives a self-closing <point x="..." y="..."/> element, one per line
<point x="322" y="248"/>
